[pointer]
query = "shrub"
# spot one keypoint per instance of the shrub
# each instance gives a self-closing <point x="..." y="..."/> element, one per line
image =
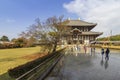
<point x="18" y="71"/>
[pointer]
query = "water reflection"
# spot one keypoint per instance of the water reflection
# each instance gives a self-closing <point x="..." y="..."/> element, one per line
<point x="104" y="64"/>
<point x="79" y="49"/>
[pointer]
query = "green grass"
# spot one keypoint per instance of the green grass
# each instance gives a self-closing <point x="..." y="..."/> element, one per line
<point x="10" y="58"/>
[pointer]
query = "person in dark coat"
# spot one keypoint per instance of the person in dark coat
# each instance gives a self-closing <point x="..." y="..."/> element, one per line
<point x="102" y="52"/>
<point x="107" y="54"/>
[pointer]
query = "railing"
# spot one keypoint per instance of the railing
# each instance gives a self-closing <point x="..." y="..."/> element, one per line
<point x="42" y="70"/>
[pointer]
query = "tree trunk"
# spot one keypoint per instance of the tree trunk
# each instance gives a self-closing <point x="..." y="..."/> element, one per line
<point x="55" y="46"/>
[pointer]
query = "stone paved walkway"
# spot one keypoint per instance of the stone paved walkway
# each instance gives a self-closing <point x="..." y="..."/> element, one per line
<point x="78" y="66"/>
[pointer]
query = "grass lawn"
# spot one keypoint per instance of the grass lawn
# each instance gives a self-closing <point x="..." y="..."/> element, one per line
<point x="10" y="58"/>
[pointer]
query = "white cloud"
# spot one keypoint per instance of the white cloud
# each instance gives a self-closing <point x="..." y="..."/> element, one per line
<point x="104" y="12"/>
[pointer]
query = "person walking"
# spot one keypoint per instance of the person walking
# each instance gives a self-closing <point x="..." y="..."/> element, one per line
<point x="78" y="48"/>
<point x="107" y="54"/>
<point x="91" y="51"/>
<point x="102" y="52"/>
<point x="94" y="50"/>
<point x="85" y="49"/>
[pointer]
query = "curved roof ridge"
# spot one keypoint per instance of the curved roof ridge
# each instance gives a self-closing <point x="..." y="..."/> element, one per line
<point x="80" y="23"/>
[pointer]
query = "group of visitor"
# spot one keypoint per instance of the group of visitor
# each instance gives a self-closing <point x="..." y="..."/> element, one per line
<point x="103" y="51"/>
<point x="76" y="48"/>
<point x="106" y="53"/>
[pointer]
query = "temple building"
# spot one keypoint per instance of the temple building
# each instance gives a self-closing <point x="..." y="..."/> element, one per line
<point x="79" y="32"/>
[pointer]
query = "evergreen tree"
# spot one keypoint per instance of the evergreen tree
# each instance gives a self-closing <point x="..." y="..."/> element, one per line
<point x="4" y="38"/>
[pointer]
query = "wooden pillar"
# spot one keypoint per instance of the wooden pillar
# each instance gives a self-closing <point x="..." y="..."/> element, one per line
<point x="78" y="39"/>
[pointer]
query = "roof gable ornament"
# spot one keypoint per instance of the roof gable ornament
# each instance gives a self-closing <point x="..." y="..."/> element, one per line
<point x="75" y="30"/>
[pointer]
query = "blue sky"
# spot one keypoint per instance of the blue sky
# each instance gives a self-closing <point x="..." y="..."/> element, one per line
<point x="17" y="15"/>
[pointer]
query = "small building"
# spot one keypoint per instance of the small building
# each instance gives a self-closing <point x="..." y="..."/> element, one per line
<point x="79" y="32"/>
<point x="6" y="42"/>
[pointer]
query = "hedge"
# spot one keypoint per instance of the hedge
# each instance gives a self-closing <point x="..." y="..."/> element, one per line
<point x="18" y="71"/>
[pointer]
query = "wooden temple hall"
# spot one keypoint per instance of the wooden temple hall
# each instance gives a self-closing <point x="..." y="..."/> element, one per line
<point x="80" y="32"/>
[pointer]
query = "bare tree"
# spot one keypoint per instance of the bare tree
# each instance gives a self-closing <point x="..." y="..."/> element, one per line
<point x="58" y="29"/>
<point x="49" y="32"/>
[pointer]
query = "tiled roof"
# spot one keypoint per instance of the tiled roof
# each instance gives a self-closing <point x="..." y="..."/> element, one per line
<point x="87" y="33"/>
<point x="92" y="33"/>
<point x="79" y="23"/>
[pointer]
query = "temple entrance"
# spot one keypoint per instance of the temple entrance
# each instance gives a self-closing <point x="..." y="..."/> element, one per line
<point x="81" y="41"/>
<point x="75" y="32"/>
<point x="75" y="41"/>
<point x="79" y="32"/>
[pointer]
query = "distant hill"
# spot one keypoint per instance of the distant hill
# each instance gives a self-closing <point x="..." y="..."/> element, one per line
<point x="111" y="38"/>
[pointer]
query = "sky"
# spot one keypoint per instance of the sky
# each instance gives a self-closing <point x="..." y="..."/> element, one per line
<point x="17" y="15"/>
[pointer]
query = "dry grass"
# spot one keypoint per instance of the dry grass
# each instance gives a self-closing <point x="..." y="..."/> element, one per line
<point x="10" y="58"/>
